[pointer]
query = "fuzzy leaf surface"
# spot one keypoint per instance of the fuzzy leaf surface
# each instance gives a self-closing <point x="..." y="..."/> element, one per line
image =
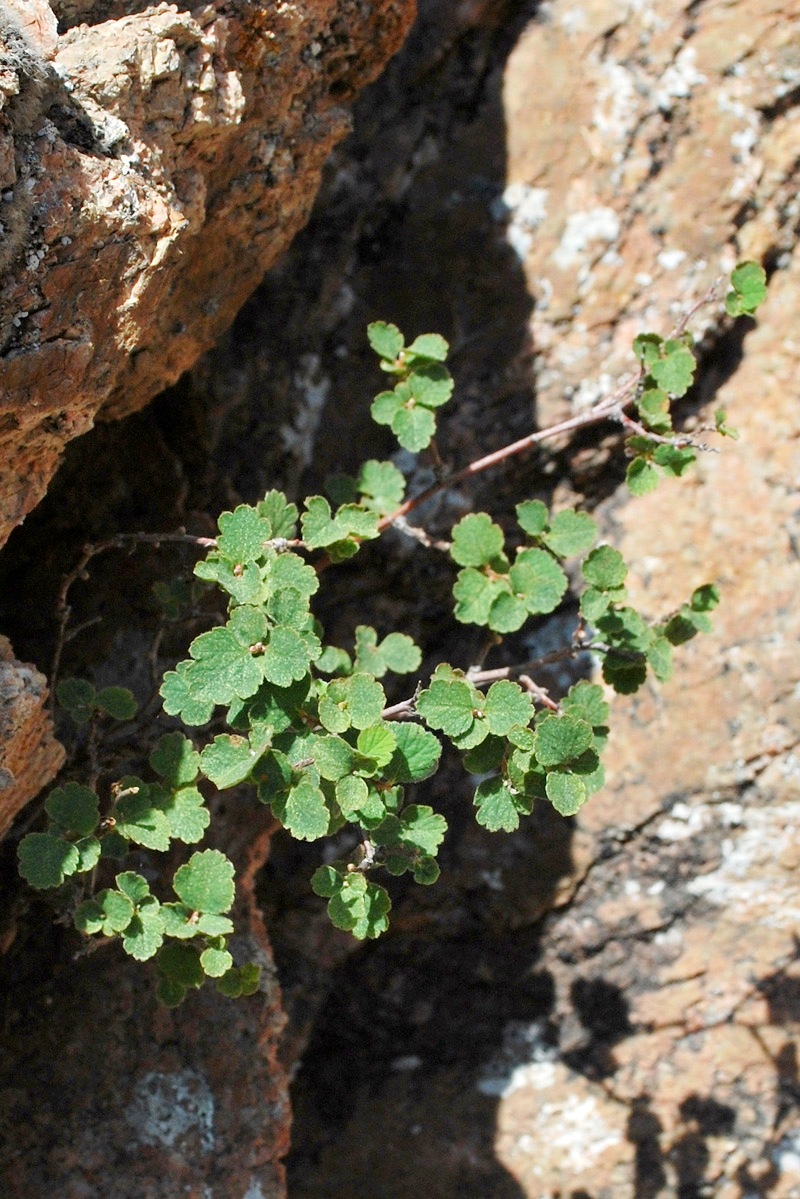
<point x="205" y="882"/>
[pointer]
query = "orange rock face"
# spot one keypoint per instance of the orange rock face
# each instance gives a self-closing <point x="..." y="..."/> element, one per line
<point x="148" y="183"/>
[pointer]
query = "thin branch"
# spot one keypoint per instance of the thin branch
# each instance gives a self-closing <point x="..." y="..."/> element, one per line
<point x="605" y="410"/>
<point x="63" y="610"/>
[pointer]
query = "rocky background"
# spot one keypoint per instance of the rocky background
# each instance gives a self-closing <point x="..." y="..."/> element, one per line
<point x="590" y="1010"/>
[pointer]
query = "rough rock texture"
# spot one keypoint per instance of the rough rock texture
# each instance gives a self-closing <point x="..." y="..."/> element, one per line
<point x="29" y="754"/>
<point x="149" y="177"/>
<point x="124" y="1097"/>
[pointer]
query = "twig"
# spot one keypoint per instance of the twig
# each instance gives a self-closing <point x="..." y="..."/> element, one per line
<point x="63" y="610"/>
<point x="604" y="410"/>
<point x="539" y="693"/>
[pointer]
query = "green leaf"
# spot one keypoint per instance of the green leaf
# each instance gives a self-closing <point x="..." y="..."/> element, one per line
<point x="78" y="697"/>
<point x="145" y="934"/>
<point x="385" y="407"/>
<point x="228" y="760"/>
<point x="113" y="909"/>
<point x="322" y="529"/>
<point x="216" y="962"/>
<point x="570" y="533"/>
<point x="685" y="625"/>
<point x="386" y="340"/>
<point x="604" y="568"/>
<point x="287" y="655"/>
<point x="117" y="702"/>
<point x="749" y="282"/>
<point x="447" y="705"/>
<point x="532" y="516"/>
<point x="624" y="673"/>
<point x="175" y="760"/>
<point x="205" y="882"/>
<point x="325" y="881"/>
<point x="507" y="705"/>
<point x="288" y="570"/>
<point x="88" y="918"/>
<point x="134" y="886"/>
<point x="89" y="852"/>
<point x="641" y="476"/>
<point x="675" y="371"/>
<point x="722" y="426"/>
<point x="400" y="653"/>
<point x="538" y="581"/>
<point x="566" y="792"/>
<point x="416" y="756"/>
<point x="705" y="598"/>
<point x="674" y="460"/>
<point x="585" y="701"/>
<point x="242" y="534"/>
<point x="659" y="655"/>
<point x="305" y="813"/>
<point x="377" y="743"/>
<point x="421" y="828"/>
<point x="281" y="515"/>
<point x="360" y="907"/>
<point x="45" y="861"/>
<point x="179" y="700"/>
<point x="414" y="427"/>
<point x="507" y="613"/>
<point x="333" y="757"/>
<point x="498" y="808"/>
<point x="594" y="604"/>
<point x="431" y="386"/>
<point x="477" y="540"/>
<point x="352" y="794"/>
<point x="186" y="814"/>
<point x="487" y="756"/>
<point x="654" y="413"/>
<point x="224" y="669"/>
<point x="559" y="739"/>
<point x="426" y="871"/>
<point x="382" y="486"/>
<point x="359" y="699"/>
<point x="141" y="822"/>
<point x="180" y="921"/>
<point x="182" y="964"/>
<point x="429" y="345"/>
<point x="475" y="594"/>
<point x="73" y="809"/>
<point x="647" y="348"/>
<point x="333" y="660"/>
<point x="170" y="993"/>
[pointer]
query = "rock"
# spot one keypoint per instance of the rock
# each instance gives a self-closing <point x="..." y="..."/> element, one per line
<point x="122" y="1093"/>
<point x="150" y="176"/>
<point x="29" y="754"/>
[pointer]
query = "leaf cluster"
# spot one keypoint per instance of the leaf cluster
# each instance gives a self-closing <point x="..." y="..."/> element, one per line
<point x="307" y="725"/>
<point x="422" y="384"/>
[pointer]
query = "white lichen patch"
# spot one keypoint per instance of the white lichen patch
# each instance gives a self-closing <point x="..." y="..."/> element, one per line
<point x="524" y="208"/>
<point x="678" y="80"/>
<point x="585" y="229"/>
<point x="572" y="1129"/>
<point x="525" y="1060"/>
<point x="167" y="1107"/>
<point x="750" y="882"/>
<point x="313" y="387"/>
